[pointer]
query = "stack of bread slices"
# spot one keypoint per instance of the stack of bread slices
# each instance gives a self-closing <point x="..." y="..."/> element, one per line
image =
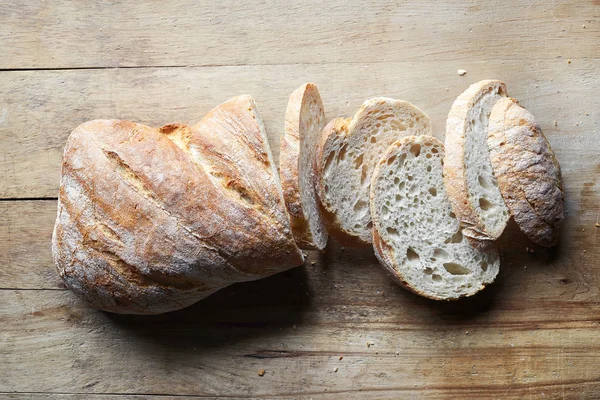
<point x="431" y="211"/>
<point x="152" y="220"/>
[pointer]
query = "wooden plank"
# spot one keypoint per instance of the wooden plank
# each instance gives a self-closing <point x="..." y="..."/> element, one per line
<point x="78" y="34"/>
<point x="52" y="343"/>
<point x="38" y="109"/>
<point x="25" y="245"/>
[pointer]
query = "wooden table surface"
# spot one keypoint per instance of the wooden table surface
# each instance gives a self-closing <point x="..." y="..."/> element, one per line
<point x="336" y="328"/>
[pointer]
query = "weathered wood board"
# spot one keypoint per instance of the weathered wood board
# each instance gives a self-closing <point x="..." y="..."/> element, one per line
<point x="338" y="327"/>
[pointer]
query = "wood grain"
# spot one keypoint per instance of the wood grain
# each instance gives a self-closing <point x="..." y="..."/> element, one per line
<point x="40" y="108"/>
<point x="532" y="334"/>
<point x="78" y="33"/>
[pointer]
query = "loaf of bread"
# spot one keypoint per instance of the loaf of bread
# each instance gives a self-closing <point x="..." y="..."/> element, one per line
<point x="416" y="236"/>
<point x="153" y="220"/>
<point x="304" y="120"/>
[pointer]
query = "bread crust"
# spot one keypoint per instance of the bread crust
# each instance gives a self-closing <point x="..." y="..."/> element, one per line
<point x="153" y="220"/>
<point x="290" y="155"/>
<point x="527" y="171"/>
<point x="455" y="170"/>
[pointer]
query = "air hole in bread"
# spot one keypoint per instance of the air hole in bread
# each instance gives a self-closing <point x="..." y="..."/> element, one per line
<point x="396" y="180"/>
<point x="455" y="269"/>
<point x="484" y="266"/>
<point x="358" y="162"/>
<point x="328" y="162"/>
<point x="397" y="125"/>
<point x="428" y="271"/>
<point x="452" y="215"/>
<point x="326" y="187"/>
<point x="484" y="183"/>
<point x="392" y="231"/>
<point x="373" y="139"/>
<point x="370" y="225"/>
<point x="436" y="278"/>
<point x="363" y="175"/>
<point x="409" y="177"/>
<point x="411" y="255"/>
<point x="415" y="149"/>
<point x="440" y="253"/>
<point x="429" y="166"/>
<point x="398" y="197"/>
<point x="429" y="156"/>
<point x="456" y="238"/>
<point x="391" y="160"/>
<point x="434" y="150"/>
<point x="342" y="154"/>
<point x="485" y="204"/>
<point x="360" y="206"/>
<point x="401" y="185"/>
<point x="433" y="191"/>
<point x="414" y="189"/>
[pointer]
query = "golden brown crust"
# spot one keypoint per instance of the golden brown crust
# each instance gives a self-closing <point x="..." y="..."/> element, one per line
<point x="455" y="170"/>
<point x="527" y="171"/>
<point x="153" y="220"/>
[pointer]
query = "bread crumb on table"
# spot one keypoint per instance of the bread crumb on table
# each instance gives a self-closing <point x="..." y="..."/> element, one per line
<point x="461" y="72"/>
<point x="597" y="225"/>
<point x="261" y="372"/>
<point x="335" y="369"/>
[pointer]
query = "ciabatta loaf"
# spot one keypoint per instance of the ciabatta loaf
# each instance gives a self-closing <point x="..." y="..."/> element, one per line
<point x="527" y="171"/>
<point x="416" y="236"/>
<point x="347" y="157"/>
<point x="153" y="220"/>
<point x="304" y="120"/>
<point x="470" y="181"/>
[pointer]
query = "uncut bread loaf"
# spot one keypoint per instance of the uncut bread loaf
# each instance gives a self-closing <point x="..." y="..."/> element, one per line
<point x="416" y="235"/>
<point x="304" y="120"/>
<point x="527" y="171"/>
<point x="470" y="181"/>
<point x="153" y="220"/>
<point x="347" y="154"/>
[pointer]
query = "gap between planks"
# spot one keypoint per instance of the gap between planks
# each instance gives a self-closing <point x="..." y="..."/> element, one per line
<point x="245" y="65"/>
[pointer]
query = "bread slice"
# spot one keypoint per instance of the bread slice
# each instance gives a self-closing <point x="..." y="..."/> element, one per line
<point x="470" y="181"/>
<point x="347" y="157"/>
<point x="527" y="171"/>
<point x="416" y="236"/>
<point x="304" y="120"/>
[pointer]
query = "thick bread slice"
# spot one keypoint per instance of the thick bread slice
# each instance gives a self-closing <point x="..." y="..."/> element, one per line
<point x="333" y="137"/>
<point x="470" y="181"/>
<point x="304" y="120"/>
<point x="153" y="220"/>
<point x="416" y="236"/>
<point x="527" y="171"/>
<point x="347" y="159"/>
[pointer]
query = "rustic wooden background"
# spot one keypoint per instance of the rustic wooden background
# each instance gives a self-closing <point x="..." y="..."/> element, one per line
<point x="338" y="328"/>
